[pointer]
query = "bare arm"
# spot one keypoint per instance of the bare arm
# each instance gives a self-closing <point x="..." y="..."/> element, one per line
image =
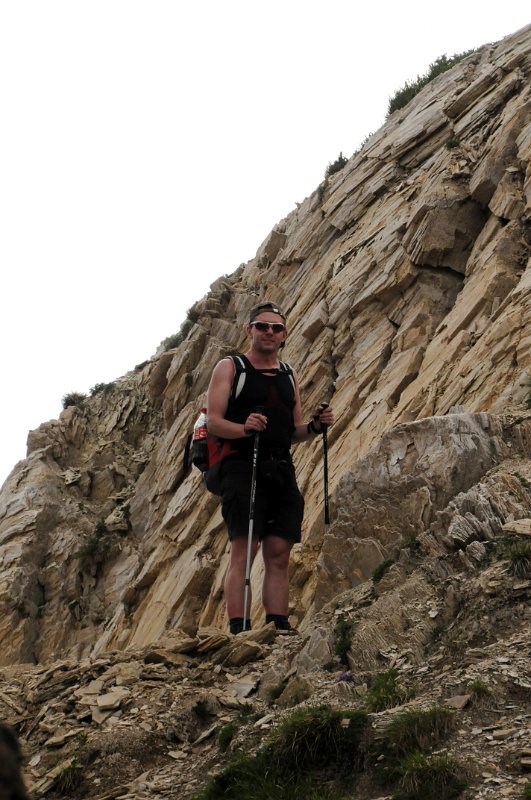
<point x="217" y="403"/>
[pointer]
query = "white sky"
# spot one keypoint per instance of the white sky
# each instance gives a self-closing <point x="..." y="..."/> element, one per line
<point x="150" y="147"/>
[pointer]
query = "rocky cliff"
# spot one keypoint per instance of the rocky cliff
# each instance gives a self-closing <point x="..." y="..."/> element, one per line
<point x="406" y="280"/>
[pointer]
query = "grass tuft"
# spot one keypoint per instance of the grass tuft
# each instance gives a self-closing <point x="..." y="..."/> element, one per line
<point x="408" y="732"/>
<point x="302" y="759"/>
<point x="418" y="729"/>
<point x="520" y="559"/>
<point x="479" y="689"/>
<point x="433" y="777"/>
<point x="314" y="737"/>
<point x="386" y="692"/>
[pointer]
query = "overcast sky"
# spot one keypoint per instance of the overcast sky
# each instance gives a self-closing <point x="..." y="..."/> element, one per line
<point x="150" y="147"/>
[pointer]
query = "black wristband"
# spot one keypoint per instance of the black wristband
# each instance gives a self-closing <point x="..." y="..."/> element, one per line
<point x="311" y="427"/>
<point x="247" y="431"/>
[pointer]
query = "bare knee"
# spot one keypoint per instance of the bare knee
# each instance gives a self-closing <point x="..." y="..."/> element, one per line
<point x="276" y="553"/>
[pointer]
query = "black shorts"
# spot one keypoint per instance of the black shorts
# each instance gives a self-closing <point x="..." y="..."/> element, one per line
<point x="279" y="505"/>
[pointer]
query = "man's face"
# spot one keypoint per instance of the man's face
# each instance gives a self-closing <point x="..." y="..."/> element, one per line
<point x="263" y="337"/>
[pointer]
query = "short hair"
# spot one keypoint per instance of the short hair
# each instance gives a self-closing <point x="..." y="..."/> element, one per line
<point x="267" y="305"/>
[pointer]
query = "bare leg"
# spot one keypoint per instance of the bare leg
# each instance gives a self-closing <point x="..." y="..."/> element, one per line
<point x="275" y="591"/>
<point x="235" y="577"/>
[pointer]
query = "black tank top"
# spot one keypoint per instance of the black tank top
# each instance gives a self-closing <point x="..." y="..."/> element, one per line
<point x="273" y="390"/>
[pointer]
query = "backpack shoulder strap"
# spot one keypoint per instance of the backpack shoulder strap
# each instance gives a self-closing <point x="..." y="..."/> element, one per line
<point x="238" y="382"/>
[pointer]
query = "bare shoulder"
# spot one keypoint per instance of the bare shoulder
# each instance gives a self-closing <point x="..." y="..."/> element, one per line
<point x="224" y="368"/>
<point x="223" y="372"/>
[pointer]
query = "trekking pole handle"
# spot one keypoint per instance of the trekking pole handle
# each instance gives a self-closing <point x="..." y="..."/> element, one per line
<point x="316" y="416"/>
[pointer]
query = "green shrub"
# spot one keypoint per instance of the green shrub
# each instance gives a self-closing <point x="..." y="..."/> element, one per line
<point x="336" y="166"/>
<point x="523" y="480"/>
<point x="96" y="548"/>
<point x="452" y="142"/>
<point x="177" y="338"/>
<point x="274" y="692"/>
<point x="520" y="559"/>
<point x="342" y="632"/>
<point x="226" y="735"/>
<point x="189" y="379"/>
<point x="527" y="792"/>
<point x="433" y="777"/>
<point x="73" y="399"/>
<point x="379" y="571"/>
<point x="411" y="88"/>
<point x="386" y="692"/>
<point x="363" y="142"/>
<point x="101" y="388"/>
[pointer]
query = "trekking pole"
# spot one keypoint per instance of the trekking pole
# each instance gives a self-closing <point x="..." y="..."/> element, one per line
<point x="324" y="429"/>
<point x="251" y="525"/>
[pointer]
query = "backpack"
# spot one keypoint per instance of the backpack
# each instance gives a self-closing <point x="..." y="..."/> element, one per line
<point x="209" y="456"/>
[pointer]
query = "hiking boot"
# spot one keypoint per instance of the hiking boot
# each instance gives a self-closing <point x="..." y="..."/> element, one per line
<point x="236" y="625"/>
<point x="281" y="623"/>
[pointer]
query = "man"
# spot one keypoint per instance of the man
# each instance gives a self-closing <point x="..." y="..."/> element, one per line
<point x="269" y="404"/>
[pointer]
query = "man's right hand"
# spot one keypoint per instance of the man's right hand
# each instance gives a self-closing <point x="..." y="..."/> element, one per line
<point x="255" y="423"/>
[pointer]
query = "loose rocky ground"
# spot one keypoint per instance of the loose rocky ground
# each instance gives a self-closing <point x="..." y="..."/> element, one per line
<point x="145" y="723"/>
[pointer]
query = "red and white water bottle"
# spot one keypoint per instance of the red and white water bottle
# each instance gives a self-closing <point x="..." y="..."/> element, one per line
<point x="199" y="442"/>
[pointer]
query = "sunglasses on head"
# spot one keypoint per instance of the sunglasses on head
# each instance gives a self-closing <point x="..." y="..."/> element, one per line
<point x="276" y="327"/>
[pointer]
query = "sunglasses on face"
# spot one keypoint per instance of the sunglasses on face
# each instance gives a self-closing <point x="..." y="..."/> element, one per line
<point x="276" y="327"/>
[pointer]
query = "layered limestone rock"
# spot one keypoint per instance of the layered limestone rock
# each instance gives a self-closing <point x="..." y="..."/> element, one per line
<point x="406" y="281"/>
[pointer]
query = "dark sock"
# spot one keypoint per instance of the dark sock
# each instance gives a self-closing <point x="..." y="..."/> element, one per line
<point x="281" y="621"/>
<point x="236" y="625"/>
